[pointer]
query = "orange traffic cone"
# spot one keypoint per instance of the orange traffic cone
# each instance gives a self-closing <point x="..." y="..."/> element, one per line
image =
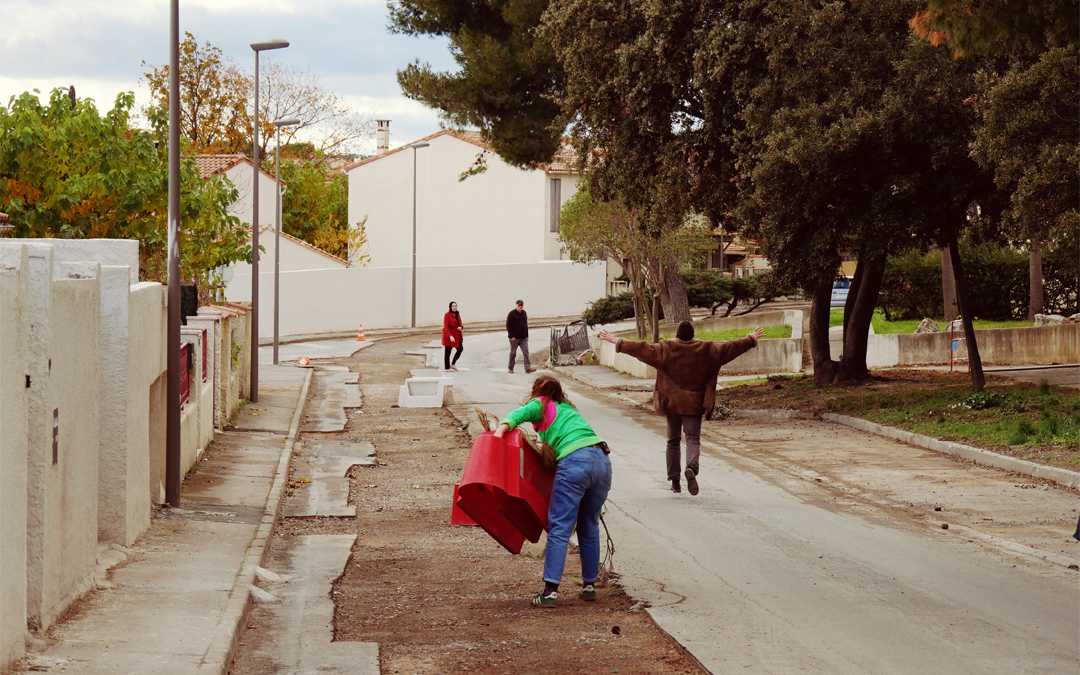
<point x="360" y="337"/>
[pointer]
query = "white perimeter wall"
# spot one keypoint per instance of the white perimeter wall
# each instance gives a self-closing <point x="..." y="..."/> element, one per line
<point x="498" y="216"/>
<point x="315" y="301"/>
<point x="12" y="459"/>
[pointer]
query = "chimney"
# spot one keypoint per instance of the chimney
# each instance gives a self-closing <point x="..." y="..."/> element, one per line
<point x="382" y="135"/>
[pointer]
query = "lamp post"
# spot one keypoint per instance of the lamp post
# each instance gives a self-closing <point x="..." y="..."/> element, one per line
<point x="254" y="377"/>
<point x="172" y="333"/>
<point x="415" y="147"/>
<point x="278" y="124"/>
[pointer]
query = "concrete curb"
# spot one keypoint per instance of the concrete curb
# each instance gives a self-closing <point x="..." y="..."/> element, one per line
<point x="1063" y="477"/>
<point x="218" y="657"/>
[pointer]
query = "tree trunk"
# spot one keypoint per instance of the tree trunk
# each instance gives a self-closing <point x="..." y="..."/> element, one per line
<point x="857" y="327"/>
<point x="853" y="291"/>
<point x="642" y="302"/>
<point x="978" y="379"/>
<point x="1035" y="280"/>
<point x="824" y="366"/>
<point x="678" y="307"/>
<point x="656" y="317"/>
<point x="950" y="309"/>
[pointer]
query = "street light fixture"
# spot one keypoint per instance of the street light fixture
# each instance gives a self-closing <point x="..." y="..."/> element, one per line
<point x="254" y="377"/>
<point x="278" y="124"/>
<point x="172" y="334"/>
<point x="415" y="147"/>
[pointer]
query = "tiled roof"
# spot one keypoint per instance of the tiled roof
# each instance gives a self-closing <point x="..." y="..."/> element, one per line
<point x="214" y="164"/>
<point x="564" y="162"/>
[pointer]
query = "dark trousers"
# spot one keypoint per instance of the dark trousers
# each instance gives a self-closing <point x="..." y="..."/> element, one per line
<point x="677" y="425"/>
<point x="446" y="356"/>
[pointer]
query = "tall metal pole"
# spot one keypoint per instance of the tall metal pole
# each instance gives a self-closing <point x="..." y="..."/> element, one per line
<point x="413" y="323"/>
<point x="254" y="377"/>
<point x="277" y="233"/>
<point x="172" y="341"/>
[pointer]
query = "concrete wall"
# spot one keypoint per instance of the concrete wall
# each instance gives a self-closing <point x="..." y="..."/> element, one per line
<point x="63" y="438"/>
<point x="495" y="217"/>
<point x="998" y="346"/>
<point x="196" y="417"/>
<point x="294" y="256"/>
<point x="115" y="252"/>
<point x="340" y="300"/>
<point x="12" y="457"/>
<point x="232" y="357"/>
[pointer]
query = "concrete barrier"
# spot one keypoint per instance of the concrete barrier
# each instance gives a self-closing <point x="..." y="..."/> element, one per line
<point x="13" y="395"/>
<point x="63" y="437"/>
<point x="422" y="392"/>
<point x="1044" y="345"/>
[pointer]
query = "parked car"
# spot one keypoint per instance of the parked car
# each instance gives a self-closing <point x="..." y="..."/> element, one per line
<point x="840" y="290"/>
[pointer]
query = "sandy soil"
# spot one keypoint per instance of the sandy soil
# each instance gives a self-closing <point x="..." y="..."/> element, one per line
<point x="442" y="599"/>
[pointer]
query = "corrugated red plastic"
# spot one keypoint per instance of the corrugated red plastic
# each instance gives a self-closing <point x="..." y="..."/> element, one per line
<point x="504" y="489"/>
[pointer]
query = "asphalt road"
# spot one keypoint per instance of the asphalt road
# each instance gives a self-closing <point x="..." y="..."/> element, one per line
<point x="753" y="576"/>
<point x="1064" y="376"/>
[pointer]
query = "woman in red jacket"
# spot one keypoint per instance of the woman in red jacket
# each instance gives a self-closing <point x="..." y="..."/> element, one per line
<point x="451" y="336"/>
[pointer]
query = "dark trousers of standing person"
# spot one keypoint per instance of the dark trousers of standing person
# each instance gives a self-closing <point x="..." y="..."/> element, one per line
<point x="446" y="357"/>
<point x="678" y="425"/>
<point x="523" y="345"/>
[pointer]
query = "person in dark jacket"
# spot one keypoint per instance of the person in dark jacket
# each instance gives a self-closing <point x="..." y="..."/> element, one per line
<point x="517" y="329"/>
<point x="452" y="336"/>
<point x="685" y="390"/>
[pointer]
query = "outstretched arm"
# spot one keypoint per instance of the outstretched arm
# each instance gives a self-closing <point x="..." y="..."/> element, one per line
<point x="646" y="352"/>
<point x="530" y="412"/>
<point x="723" y="352"/>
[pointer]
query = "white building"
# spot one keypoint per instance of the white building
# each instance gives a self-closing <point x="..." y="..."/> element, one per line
<point x="503" y="215"/>
<point x="497" y="229"/>
<point x="237" y="168"/>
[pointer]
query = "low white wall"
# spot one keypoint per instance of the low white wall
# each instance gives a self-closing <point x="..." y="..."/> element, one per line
<point x="63" y="439"/>
<point x="114" y="252"/>
<point x="314" y="301"/>
<point x="232" y="354"/>
<point x="12" y="459"/>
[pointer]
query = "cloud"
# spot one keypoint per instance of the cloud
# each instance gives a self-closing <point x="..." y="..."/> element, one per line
<point x="100" y="46"/>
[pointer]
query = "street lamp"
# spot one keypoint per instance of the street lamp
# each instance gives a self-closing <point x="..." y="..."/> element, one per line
<point x="415" y="147"/>
<point x="254" y="378"/>
<point x="278" y="124"/>
<point x="172" y="334"/>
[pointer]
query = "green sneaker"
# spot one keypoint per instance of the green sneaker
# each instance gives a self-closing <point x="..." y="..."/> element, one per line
<point x="588" y="592"/>
<point x="541" y="600"/>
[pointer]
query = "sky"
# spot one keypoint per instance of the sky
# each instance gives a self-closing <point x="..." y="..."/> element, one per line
<point x="99" y="46"/>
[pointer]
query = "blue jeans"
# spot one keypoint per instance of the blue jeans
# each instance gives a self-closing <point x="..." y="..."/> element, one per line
<point x="582" y="481"/>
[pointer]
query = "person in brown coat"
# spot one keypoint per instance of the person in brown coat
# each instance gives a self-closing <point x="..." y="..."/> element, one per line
<point x="685" y="391"/>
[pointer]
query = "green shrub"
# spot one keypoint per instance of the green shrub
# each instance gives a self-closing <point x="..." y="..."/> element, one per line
<point x="610" y="309"/>
<point x="707" y="288"/>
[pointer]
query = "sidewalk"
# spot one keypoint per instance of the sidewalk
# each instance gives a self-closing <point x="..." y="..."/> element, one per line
<point x="177" y="602"/>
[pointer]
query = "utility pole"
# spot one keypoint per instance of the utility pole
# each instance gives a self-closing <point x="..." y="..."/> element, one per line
<point x="172" y="341"/>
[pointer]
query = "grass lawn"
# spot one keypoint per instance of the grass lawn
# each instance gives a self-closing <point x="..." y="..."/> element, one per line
<point x="883" y="327"/>
<point x="1039" y="423"/>
<point x="778" y="331"/>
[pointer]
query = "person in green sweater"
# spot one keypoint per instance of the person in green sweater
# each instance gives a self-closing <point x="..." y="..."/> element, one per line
<point x="582" y="481"/>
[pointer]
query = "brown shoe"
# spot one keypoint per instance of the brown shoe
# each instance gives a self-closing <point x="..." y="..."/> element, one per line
<point x="691" y="481"/>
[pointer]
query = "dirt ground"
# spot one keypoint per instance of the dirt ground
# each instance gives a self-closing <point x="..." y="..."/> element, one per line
<point x="442" y="599"/>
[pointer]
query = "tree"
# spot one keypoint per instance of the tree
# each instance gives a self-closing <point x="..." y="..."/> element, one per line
<point x="508" y="83"/>
<point x="216" y="102"/>
<point x="66" y="171"/>
<point x="214" y="94"/>
<point x="592" y="229"/>
<point x="1003" y="26"/>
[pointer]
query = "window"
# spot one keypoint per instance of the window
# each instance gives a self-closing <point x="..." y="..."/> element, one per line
<point x="556" y="205"/>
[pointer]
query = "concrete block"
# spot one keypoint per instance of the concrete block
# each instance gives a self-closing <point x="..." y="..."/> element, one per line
<point x="422" y="392"/>
<point x="13" y="402"/>
<point x="63" y="437"/>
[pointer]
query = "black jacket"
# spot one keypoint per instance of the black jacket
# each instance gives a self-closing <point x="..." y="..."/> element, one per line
<point x="517" y="324"/>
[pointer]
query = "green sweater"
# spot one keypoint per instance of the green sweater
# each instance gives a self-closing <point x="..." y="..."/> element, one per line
<point x="566" y="432"/>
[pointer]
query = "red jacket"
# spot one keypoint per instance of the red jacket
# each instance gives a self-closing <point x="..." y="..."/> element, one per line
<point x="451" y="330"/>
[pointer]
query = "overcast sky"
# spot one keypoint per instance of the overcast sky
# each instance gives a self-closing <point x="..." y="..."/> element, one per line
<point x="99" y="46"/>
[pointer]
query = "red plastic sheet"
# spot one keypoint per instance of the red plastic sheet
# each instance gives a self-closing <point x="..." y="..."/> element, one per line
<point x="504" y="489"/>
